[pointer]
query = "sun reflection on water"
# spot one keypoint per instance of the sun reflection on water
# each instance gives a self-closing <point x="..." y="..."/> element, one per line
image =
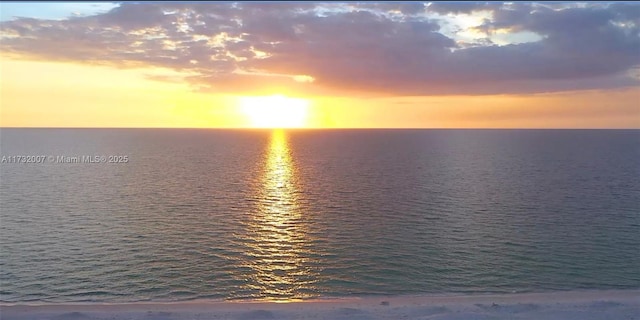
<point x="278" y="249"/>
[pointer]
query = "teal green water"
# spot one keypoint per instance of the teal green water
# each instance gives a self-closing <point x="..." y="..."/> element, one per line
<point x="256" y="214"/>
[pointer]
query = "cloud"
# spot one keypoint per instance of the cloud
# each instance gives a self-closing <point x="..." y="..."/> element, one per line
<point x="466" y="7"/>
<point x="578" y="42"/>
<point x="395" y="49"/>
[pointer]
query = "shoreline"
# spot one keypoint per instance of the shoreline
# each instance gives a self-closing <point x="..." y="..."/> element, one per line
<point x="582" y="304"/>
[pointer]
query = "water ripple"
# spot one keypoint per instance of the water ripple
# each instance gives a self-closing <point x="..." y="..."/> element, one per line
<point x="300" y="214"/>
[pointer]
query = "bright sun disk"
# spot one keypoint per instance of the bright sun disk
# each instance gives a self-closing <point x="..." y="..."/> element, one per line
<point x="276" y="111"/>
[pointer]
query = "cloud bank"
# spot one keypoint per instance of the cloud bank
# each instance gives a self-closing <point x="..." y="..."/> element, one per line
<point x="367" y="48"/>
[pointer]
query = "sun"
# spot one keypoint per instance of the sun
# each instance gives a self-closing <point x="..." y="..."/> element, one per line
<point x="276" y="111"/>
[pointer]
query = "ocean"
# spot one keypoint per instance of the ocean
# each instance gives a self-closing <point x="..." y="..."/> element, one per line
<point x="129" y="215"/>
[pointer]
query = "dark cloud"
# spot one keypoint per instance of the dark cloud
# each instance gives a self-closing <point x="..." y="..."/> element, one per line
<point x="391" y="48"/>
<point x="132" y="16"/>
<point x="579" y="42"/>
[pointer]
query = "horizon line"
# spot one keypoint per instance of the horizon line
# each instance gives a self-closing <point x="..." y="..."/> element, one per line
<point x="331" y="128"/>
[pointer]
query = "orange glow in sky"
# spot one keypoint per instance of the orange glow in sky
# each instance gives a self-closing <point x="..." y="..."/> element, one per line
<point x="325" y="71"/>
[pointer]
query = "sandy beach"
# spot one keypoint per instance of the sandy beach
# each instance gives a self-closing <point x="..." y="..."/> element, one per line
<point x="584" y="305"/>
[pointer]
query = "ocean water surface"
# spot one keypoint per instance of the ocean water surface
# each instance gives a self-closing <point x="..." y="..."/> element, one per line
<point x="296" y="214"/>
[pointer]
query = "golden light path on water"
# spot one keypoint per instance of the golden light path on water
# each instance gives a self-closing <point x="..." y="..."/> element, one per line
<point x="278" y="245"/>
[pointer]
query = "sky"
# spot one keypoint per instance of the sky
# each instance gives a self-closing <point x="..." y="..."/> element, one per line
<point x="320" y="65"/>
